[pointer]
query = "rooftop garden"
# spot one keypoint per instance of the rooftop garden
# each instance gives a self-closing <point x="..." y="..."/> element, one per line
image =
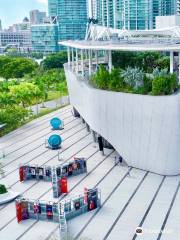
<point x="139" y="73"/>
<point x="24" y="83"/>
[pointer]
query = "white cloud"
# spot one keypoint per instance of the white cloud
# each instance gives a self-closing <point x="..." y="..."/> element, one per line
<point x="43" y="1"/>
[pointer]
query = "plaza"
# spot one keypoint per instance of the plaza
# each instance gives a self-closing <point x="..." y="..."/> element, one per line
<point x="130" y="197"/>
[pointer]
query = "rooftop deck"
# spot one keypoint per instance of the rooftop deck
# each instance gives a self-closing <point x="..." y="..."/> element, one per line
<point x="141" y="199"/>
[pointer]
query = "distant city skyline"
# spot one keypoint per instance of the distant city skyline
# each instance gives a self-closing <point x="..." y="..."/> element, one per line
<point x="15" y="13"/>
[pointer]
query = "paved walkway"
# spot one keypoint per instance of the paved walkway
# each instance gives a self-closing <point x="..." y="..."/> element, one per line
<point x="141" y="199"/>
<point x="51" y="104"/>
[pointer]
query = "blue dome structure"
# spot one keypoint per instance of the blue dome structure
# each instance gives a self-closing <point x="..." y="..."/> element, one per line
<point x="56" y="123"/>
<point x="55" y="141"/>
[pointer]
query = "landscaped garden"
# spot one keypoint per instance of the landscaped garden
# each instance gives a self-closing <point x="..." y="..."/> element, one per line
<point x="24" y="83"/>
<point x="140" y="73"/>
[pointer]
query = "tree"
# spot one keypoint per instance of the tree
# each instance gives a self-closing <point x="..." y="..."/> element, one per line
<point x="25" y="93"/>
<point x="54" y="61"/>
<point x="16" y="67"/>
<point x="6" y="99"/>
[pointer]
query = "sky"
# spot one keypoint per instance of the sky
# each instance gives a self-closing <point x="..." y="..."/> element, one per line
<point x="14" y="11"/>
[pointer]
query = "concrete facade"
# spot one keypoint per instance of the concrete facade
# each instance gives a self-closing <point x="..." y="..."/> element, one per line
<point x="145" y="130"/>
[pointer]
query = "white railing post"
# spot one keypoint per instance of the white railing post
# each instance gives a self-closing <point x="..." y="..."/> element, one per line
<point x="77" y="64"/>
<point x="171" y="61"/>
<point x="179" y="67"/>
<point x="69" y="56"/>
<point x="90" y="62"/>
<point x="110" y="61"/>
<point x="72" y="59"/>
<point x="82" y="62"/>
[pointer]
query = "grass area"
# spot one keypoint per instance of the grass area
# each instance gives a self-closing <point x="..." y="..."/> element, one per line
<point x="52" y="95"/>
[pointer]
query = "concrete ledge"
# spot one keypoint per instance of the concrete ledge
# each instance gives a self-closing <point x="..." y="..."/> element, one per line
<point x="145" y="130"/>
<point x="8" y="197"/>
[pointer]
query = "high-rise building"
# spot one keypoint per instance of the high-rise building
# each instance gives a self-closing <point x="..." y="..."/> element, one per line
<point x="37" y="17"/>
<point x="0" y="25"/>
<point x="131" y="14"/>
<point x="45" y="38"/>
<point x="177" y="7"/>
<point x="19" y="39"/>
<point x="71" y="17"/>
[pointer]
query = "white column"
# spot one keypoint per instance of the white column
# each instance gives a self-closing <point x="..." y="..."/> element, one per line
<point x="171" y="61"/>
<point x="179" y="67"/>
<point x="96" y="56"/>
<point x="110" y="60"/>
<point x="69" y="56"/>
<point x="77" y="65"/>
<point x="90" y="62"/>
<point x="82" y="62"/>
<point x="72" y="59"/>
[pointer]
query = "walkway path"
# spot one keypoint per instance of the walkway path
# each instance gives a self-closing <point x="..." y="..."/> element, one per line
<point x="51" y="104"/>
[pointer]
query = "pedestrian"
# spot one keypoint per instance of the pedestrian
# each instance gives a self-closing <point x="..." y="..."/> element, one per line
<point x="120" y="160"/>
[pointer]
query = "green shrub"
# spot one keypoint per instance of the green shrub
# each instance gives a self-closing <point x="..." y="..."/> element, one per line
<point x="164" y="85"/>
<point x="13" y="116"/>
<point x="101" y="78"/>
<point x="2" y="189"/>
<point x="116" y="82"/>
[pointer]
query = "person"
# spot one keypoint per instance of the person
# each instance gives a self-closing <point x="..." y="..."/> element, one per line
<point x="120" y="159"/>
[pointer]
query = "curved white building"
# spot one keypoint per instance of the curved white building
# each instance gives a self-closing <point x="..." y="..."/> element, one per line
<point x="145" y="130"/>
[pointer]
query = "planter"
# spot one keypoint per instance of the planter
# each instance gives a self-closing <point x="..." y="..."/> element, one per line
<point x="145" y="130"/>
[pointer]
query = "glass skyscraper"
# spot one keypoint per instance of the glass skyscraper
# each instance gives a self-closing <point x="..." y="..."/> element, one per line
<point x="71" y="18"/>
<point x="132" y="14"/>
<point x="45" y="38"/>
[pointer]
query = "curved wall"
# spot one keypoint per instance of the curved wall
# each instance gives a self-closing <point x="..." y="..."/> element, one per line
<point x="145" y="130"/>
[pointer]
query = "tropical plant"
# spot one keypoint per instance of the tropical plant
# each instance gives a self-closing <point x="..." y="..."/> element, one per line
<point x="160" y="73"/>
<point x="134" y="77"/>
<point x="163" y="62"/>
<point x="101" y="78"/>
<point x="116" y="82"/>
